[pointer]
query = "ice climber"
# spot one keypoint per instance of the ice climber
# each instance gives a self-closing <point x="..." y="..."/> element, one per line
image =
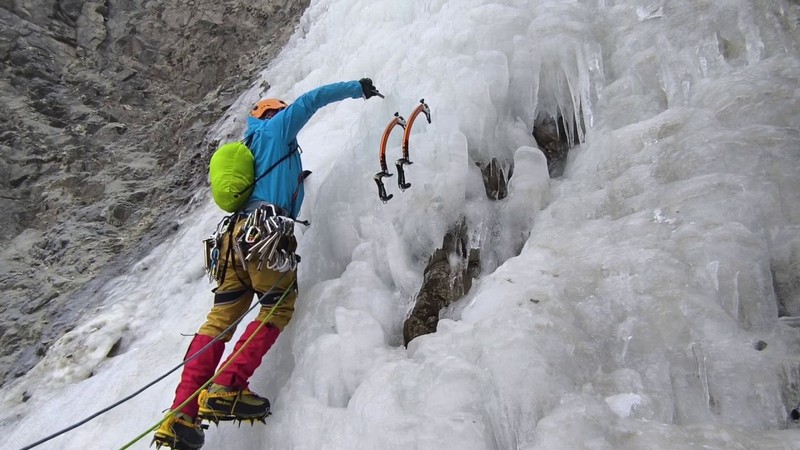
<point x="256" y="257"/>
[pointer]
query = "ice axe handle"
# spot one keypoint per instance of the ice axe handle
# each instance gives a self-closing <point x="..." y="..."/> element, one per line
<point x="378" y="177"/>
<point x="401" y="174"/>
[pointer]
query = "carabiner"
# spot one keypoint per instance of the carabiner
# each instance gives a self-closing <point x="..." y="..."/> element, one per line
<point x="252" y="234"/>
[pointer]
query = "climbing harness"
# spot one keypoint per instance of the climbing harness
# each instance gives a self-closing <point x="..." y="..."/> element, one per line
<point x="404" y="160"/>
<point x="267" y="236"/>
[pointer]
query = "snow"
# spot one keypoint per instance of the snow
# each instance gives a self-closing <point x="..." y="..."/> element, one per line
<point x="623" y="305"/>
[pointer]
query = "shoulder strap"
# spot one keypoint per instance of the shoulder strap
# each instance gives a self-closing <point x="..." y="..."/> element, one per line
<point x="274" y="165"/>
<point x="266" y="172"/>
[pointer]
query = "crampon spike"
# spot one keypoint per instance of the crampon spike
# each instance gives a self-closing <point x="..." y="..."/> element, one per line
<point x="160" y="443"/>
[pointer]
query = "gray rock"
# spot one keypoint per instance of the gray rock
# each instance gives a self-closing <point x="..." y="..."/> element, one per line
<point x="448" y="277"/>
<point x="495" y="179"/>
<point x="86" y="89"/>
<point x="554" y="138"/>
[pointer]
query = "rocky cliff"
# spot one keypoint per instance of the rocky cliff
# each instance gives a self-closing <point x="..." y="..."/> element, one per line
<point x="103" y="110"/>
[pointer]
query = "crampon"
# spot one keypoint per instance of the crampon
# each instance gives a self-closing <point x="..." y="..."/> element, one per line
<point x="234" y="405"/>
<point x="179" y="433"/>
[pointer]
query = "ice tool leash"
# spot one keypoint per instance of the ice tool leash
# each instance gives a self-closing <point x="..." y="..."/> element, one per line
<point x="422" y="108"/>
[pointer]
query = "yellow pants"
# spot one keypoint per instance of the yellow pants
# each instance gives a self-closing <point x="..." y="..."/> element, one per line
<point x="235" y="291"/>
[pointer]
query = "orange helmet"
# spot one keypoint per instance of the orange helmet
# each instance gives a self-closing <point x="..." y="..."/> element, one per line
<point x="264" y="105"/>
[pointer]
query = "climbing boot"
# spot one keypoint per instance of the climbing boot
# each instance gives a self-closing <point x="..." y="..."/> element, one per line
<point x="220" y="403"/>
<point x="179" y="432"/>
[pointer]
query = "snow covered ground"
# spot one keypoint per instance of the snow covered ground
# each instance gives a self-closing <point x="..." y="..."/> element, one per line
<point x="643" y="309"/>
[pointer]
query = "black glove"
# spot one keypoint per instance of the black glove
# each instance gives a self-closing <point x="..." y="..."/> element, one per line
<point x="368" y="88"/>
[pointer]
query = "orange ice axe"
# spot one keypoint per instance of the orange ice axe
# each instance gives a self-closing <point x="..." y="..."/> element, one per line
<point x="378" y="177"/>
<point x="401" y="175"/>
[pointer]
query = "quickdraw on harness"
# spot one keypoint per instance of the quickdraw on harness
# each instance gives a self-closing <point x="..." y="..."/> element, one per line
<point x="401" y="176"/>
<point x="212" y="245"/>
<point x="266" y="237"/>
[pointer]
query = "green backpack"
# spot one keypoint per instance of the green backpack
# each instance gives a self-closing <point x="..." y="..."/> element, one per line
<point x="232" y="174"/>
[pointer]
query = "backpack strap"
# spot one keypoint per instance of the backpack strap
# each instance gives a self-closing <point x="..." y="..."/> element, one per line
<point x="266" y="172"/>
<point x="274" y="165"/>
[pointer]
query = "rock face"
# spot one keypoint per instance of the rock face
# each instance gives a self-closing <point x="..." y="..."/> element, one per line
<point x="103" y="110"/>
<point x="448" y="276"/>
<point x="555" y="137"/>
<point x="450" y="270"/>
<point x="495" y="179"/>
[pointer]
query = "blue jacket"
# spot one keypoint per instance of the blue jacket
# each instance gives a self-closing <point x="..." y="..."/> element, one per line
<point x="272" y="139"/>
